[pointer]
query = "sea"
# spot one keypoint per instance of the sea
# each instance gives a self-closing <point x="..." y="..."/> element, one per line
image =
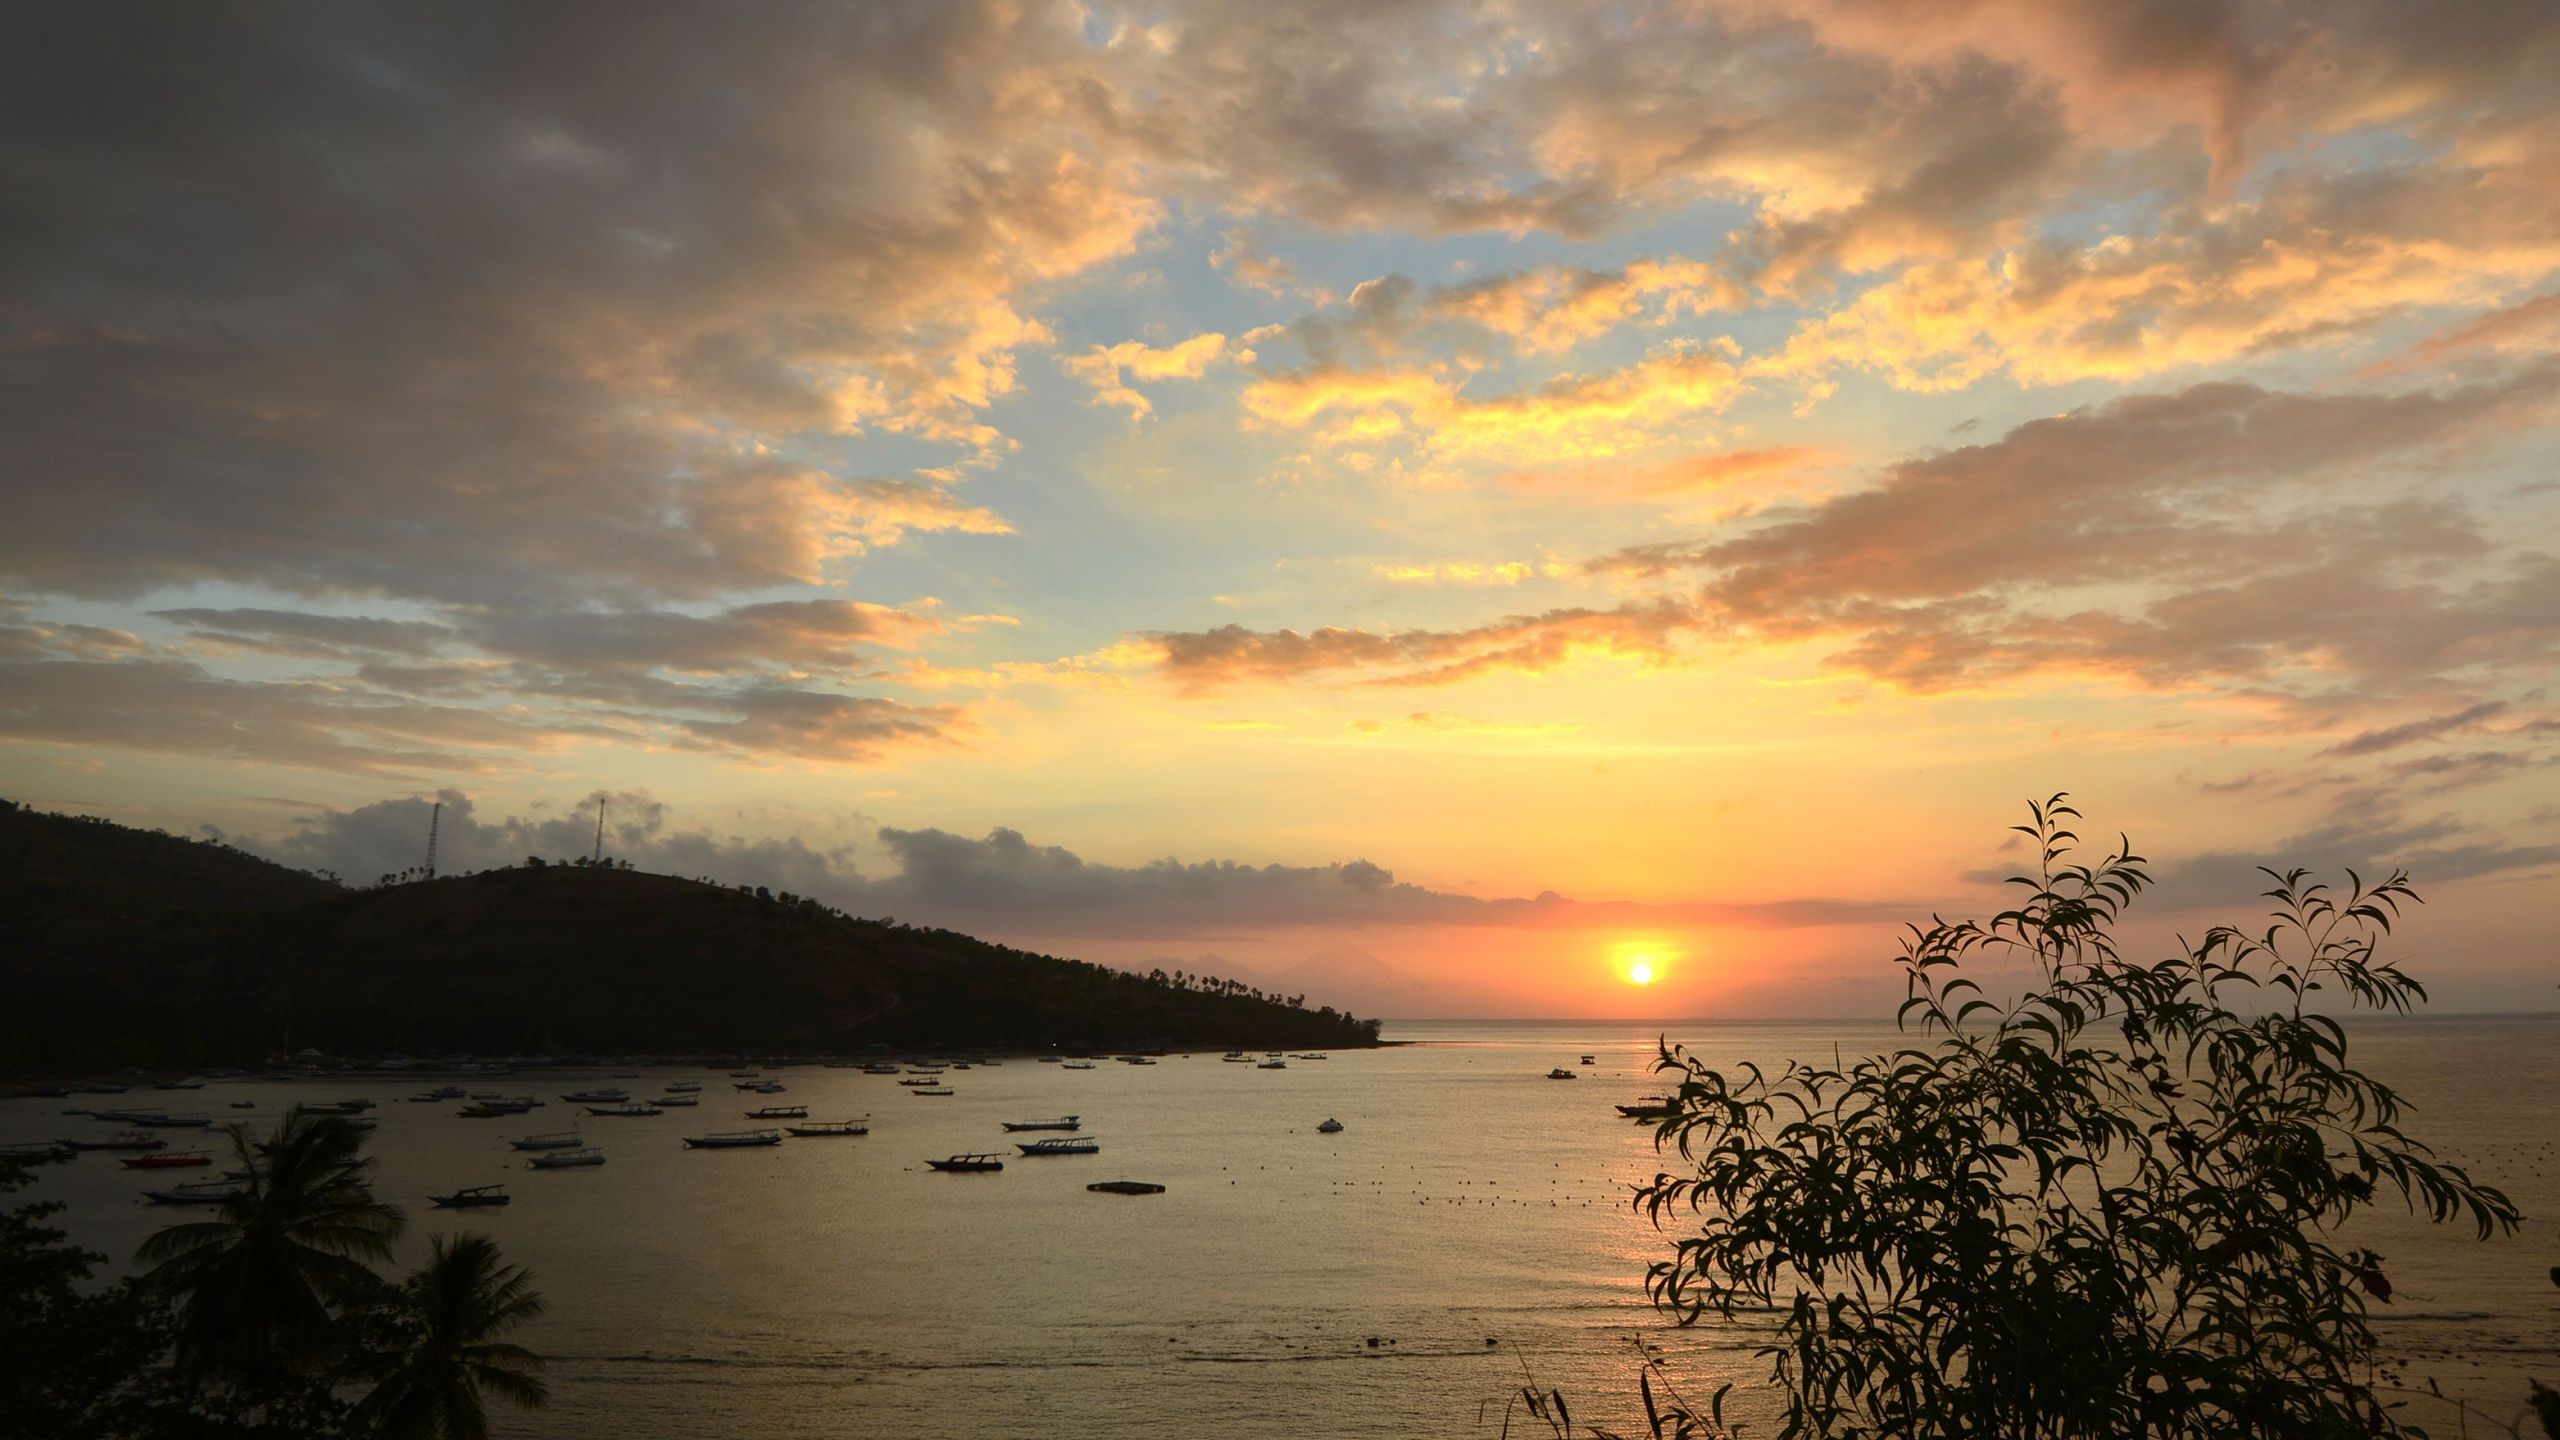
<point x="1467" y="1236"/>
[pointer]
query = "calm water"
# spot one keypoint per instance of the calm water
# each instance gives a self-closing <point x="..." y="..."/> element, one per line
<point x="837" y="1287"/>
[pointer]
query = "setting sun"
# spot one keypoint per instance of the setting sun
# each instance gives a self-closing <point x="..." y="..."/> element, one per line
<point x="1641" y="974"/>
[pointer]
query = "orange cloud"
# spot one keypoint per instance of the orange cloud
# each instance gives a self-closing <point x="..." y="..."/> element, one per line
<point x="1109" y="369"/>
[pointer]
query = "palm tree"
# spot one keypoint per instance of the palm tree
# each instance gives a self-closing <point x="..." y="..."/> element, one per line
<point x="460" y="1303"/>
<point x="259" y="1283"/>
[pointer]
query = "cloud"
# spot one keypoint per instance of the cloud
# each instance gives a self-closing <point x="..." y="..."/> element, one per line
<point x="1572" y="415"/>
<point x="1229" y="655"/>
<point x="382" y="312"/>
<point x="1111" y="369"/>
<point x="999" y="883"/>
<point x="2318" y="260"/>
<point x="493" y="688"/>
<point x="2434" y="727"/>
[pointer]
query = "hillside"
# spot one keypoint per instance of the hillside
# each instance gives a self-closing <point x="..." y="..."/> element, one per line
<point x="132" y="947"/>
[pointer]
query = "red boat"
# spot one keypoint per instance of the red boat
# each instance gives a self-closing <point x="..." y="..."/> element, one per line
<point x="174" y="1160"/>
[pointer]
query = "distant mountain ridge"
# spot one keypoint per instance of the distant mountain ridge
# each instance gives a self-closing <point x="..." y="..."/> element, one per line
<point x="135" y="947"/>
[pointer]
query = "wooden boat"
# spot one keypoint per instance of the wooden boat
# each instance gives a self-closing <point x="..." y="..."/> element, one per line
<point x="440" y="1093"/>
<point x="1270" y="1064"/>
<point x="1330" y="1127"/>
<point x="1590" y="1059"/>
<point x="817" y="1128"/>
<point x="1561" y="1073"/>
<point x="37" y="1152"/>
<point x="967" y="1164"/>
<point x="470" y="1196"/>
<point x="763" y="1087"/>
<point x="921" y="1094"/>
<point x="162" y="1120"/>
<point x="338" y="1107"/>
<point x="567" y="1159"/>
<point x="484" y="1109"/>
<point x="684" y="1087"/>
<point x="1081" y="1145"/>
<point x="624" y="1111"/>
<point x="921" y="1083"/>
<point x="733" y="1140"/>
<point x="1652" y="1107"/>
<point x="172" y="1160"/>
<point x="680" y="1101"/>
<point x="613" y="1095"/>
<point x="1063" y="1122"/>
<point x="201" y="1192"/>
<point x="122" y="1140"/>
<point x="780" y="1112"/>
<point x="557" y="1140"/>
<point x="1126" y="1187"/>
<point x="1077" y="1065"/>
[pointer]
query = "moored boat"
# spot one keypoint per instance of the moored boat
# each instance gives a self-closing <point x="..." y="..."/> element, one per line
<point x="122" y="1140"/>
<point x="1330" y="1127"/>
<point x="567" y="1159"/>
<point x="1063" y="1122"/>
<point x="780" y="1112"/>
<point x="1652" y="1107"/>
<point x="557" y="1140"/>
<point x="201" y="1192"/>
<point x="921" y="1094"/>
<point x="611" y="1095"/>
<point x="817" y="1129"/>
<point x="733" y="1140"/>
<point x="1561" y="1073"/>
<point x="163" y="1120"/>
<point x="679" y="1101"/>
<point x="624" y="1111"/>
<point x="1270" y="1064"/>
<point x="684" y="1087"/>
<point x="967" y="1164"/>
<point x="472" y="1196"/>
<point x="169" y="1160"/>
<point x="1080" y="1145"/>
<point x="1126" y="1187"/>
<point x="38" y="1152"/>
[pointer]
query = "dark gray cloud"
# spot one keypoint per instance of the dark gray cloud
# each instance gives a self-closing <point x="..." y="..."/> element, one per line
<point x="999" y="883"/>
<point x="2433" y="727"/>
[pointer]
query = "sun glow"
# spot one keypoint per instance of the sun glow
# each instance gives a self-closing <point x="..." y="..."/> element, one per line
<point x="1641" y="972"/>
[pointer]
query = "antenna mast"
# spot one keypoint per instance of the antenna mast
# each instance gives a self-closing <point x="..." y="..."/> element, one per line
<point x="599" y="855"/>
<point x="435" y="818"/>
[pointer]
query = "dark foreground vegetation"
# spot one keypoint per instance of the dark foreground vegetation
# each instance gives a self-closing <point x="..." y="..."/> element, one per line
<point x="267" y="1321"/>
<point x="127" y="947"/>
<point x="2105" y="1206"/>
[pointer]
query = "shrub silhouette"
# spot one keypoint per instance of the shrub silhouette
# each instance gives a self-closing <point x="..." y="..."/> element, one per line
<point x="2107" y="1208"/>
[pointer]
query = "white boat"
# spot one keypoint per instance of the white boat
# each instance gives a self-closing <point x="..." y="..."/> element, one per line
<point x="568" y="1159"/>
<point x="733" y="1140"/>
<point x="679" y="1101"/>
<point x="1330" y="1127"/>
<point x="558" y="1140"/>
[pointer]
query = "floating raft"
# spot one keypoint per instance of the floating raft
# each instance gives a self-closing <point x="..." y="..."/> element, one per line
<point x="1126" y="1187"/>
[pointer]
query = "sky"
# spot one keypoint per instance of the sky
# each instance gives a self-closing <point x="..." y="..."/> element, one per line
<point x="1433" y="506"/>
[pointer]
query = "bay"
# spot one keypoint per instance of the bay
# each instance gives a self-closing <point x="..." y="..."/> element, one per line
<point x="839" y="1287"/>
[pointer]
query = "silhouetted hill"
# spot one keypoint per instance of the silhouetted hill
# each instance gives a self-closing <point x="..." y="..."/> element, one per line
<point x="139" y="948"/>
